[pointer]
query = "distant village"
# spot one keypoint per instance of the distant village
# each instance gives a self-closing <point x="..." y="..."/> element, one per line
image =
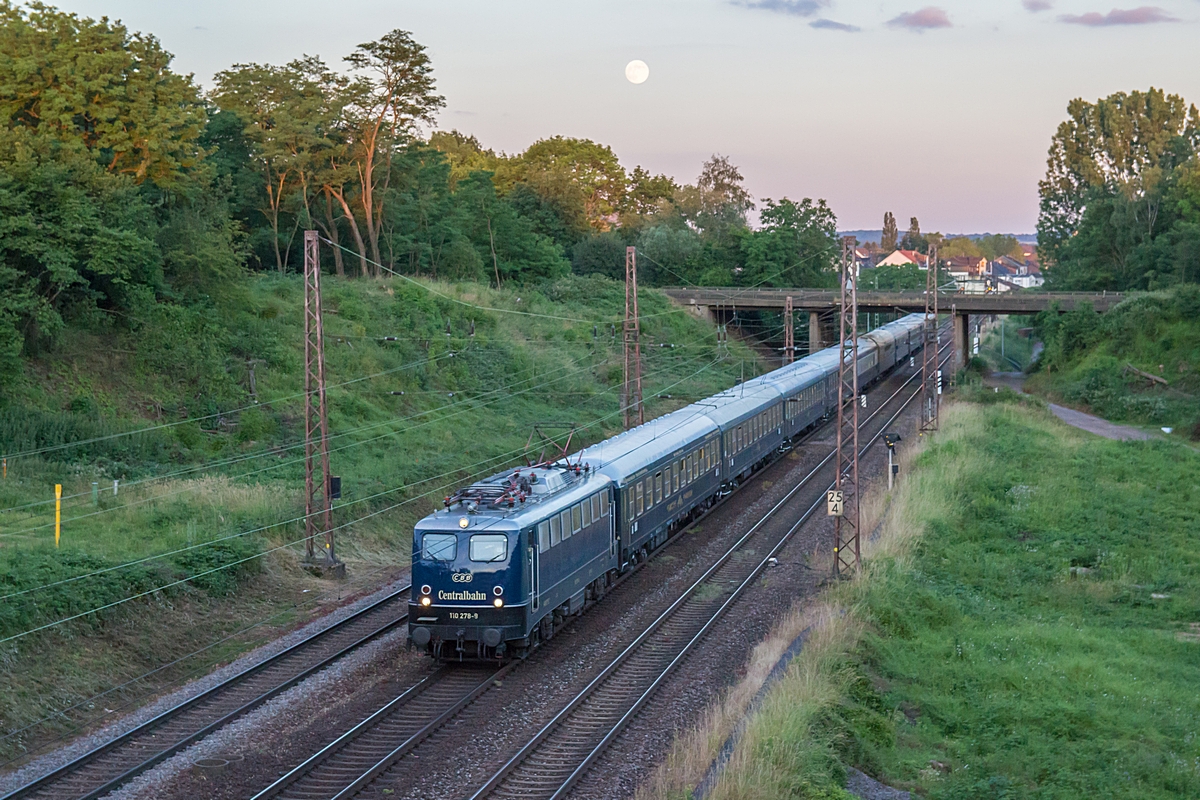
<point x="972" y="274"/>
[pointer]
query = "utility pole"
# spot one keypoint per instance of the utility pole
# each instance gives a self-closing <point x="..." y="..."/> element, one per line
<point x="846" y="547"/>
<point x="631" y="392"/>
<point x="318" y="505"/>
<point x="929" y="364"/>
<point x="789" y="334"/>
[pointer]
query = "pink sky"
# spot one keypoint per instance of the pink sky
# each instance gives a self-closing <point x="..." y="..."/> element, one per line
<point x="941" y="111"/>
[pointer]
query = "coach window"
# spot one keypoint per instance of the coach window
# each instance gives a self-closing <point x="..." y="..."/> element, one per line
<point x="543" y="536"/>
<point x="566" y="523"/>
<point x="576" y="518"/>
<point x="658" y="488"/>
<point x="439" y="546"/>
<point x="675" y="478"/>
<point x="630" y="492"/>
<point x="649" y="492"/>
<point x="488" y="547"/>
<point x="641" y="498"/>
<point x="587" y="512"/>
<point x="555" y="530"/>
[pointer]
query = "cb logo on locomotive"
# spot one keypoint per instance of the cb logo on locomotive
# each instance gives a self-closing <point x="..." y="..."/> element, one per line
<point x="462" y="577"/>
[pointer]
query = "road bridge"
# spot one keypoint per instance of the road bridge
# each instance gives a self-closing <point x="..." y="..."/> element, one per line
<point x="821" y="304"/>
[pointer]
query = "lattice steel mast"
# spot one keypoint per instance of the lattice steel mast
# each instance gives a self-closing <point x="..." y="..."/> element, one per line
<point x="846" y="549"/>
<point x="930" y="401"/>
<point x="789" y="333"/>
<point x="318" y="504"/>
<point x="631" y="391"/>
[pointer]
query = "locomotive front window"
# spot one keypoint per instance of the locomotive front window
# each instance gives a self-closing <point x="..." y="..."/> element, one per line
<point x="439" y="546"/>
<point x="487" y="547"/>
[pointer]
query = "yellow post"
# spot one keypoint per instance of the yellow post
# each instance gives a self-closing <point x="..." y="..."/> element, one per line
<point x="57" y="512"/>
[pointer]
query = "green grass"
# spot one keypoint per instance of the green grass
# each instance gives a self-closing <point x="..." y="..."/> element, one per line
<point x="987" y="667"/>
<point x="1087" y="356"/>
<point x="206" y="495"/>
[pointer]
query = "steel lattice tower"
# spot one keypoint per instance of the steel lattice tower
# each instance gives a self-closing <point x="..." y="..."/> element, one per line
<point x="846" y="548"/>
<point x="631" y="391"/>
<point x="317" y="505"/>
<point x="930" y="401"/>
<point x="789" y="334"/>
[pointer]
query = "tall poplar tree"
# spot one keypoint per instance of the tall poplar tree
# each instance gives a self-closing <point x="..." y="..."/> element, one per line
<point x="891" y="235"/>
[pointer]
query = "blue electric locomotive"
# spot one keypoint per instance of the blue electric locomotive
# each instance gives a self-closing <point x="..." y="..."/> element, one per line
<point x="510" y="558"/>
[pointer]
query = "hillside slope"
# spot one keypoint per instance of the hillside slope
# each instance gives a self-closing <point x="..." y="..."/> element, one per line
<point x="197" y="412"/>
<point x="1092" y="361"/>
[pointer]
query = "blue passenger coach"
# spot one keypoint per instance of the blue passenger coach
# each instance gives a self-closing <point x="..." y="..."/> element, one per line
<point x="510" y="558"/>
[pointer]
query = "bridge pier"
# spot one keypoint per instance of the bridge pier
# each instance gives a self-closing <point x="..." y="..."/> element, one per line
<point x="962" y="338"/>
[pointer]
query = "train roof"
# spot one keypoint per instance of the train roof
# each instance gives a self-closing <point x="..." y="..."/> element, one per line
<point x="557" y="486"/>
<point x="741" y="401"/>
<point x="625" y="454"/>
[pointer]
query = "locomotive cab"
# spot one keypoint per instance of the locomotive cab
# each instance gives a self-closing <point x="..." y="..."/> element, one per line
<point x="467" y="596"/>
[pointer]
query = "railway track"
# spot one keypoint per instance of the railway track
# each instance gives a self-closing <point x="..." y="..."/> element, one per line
<point x="562" y="752"/>
<point x="358" y="757"/>
<point x="100" y="771"/>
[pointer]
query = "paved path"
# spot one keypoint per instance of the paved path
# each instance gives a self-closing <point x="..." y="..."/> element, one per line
<point x="1100" y="427"/>
<point x="1078" y="419"/>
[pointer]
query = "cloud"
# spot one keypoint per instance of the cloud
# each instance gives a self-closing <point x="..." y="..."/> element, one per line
<point x="1037" y="5"/>
<point x="926" y="19"/>
<point x="797" y="8"/>
<point x="830" y="25"/>
<point x="1119" y="16"/>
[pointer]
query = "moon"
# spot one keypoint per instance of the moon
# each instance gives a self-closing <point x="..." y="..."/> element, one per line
<point x="637" y="71"/>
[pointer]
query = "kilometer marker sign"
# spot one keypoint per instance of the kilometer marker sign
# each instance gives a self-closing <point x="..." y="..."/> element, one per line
<point x="835" y="503"/>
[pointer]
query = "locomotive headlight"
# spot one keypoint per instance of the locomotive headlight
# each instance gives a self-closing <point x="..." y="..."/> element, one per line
<point x="426" y="601"/>
<point x="498" y="603"/>
<point x="463" y="522"/>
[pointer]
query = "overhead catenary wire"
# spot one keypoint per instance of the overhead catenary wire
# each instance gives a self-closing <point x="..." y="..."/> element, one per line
<point x="262" y="454"/>
<point x="250" y="457"/>
<point x="276" y="548"/>
<point x="270" y="526"/>
<point x="165" y="425"/>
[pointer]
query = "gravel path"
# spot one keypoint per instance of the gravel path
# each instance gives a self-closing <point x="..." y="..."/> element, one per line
<point x="85" y="743"/>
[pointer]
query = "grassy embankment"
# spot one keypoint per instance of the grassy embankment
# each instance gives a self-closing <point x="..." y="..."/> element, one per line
<point x="1028" y="625"/>
<point x="1088" y="356"/>
<point x="210" y="495"/>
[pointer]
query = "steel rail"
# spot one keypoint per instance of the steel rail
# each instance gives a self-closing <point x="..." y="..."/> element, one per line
<point x="118" y="760"/>
<point x="498" y="779"/>
<point x="393" y="731"/>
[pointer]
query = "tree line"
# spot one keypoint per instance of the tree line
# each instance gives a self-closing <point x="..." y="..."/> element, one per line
<point x="1120" y="203"/>
<point x="124" y="186"/>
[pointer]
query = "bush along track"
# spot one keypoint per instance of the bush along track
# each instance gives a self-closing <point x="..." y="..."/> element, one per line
<point x="1028" y="625"/>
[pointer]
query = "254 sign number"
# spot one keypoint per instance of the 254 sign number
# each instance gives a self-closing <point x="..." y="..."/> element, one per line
<point x="835" y="503"/>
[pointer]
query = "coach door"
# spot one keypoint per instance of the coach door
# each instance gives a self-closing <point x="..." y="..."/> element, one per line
<point x="535" y="587"/>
